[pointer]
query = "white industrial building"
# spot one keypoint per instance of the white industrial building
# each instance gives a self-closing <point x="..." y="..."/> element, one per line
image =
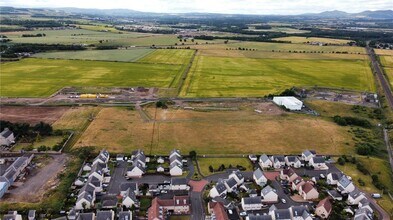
<point x="289" y="102"/>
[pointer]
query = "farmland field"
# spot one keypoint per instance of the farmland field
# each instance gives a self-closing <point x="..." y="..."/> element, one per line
<point x="168" y="57"/>
<point x="216" y="132"/>
<point x="42" y="77"/>
<point x="386" y="59"/>
<point x="238" y="77"/>
<point x="75" y="118"/>
<point x="296" y="47"/>
<point x="384" y="52"/>
<point x="301" y="40"/>
<point x="128" y="55"/>
<point x="31" y="114"/>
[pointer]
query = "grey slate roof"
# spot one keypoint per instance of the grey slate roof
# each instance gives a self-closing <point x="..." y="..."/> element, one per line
<point x="128" y="185"/>
<point x="318" y="159"/>
<point x="334" y="194"/>
<point x="6" y="133"/>
<point x="264" y="158"/>
<point x="309" y="152"/>
<point x="279" y="158"/>
<point x="178" y="181"/>
<point x="292" y="158"/>
<point x="86" y="216"/>
<point x="267" y="190"/>
<point x="231" y="182"/>
<point x="252" y="200"/>
<point x="344" y="181"/>
<point x="282" y="214"/>
<point x="258" y="173"/>
<point x="31" y="214"/>
<point x="104" y="215"/>
<point x="355" y="193"/>
<point x="239" y="174"/>
<point x="298" y="211"/>
<point x="125" y="215"/>
<point x="336" y="175"/>
<point x="220" y="188"/>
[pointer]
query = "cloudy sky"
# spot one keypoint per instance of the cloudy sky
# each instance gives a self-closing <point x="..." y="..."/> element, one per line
<point x="216" y="6"/>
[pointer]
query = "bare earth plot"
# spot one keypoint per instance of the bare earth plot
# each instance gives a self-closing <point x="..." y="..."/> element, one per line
<point x="39" y="182"/>
<point x="30" y="114"/>
<point x="214" y="132"/>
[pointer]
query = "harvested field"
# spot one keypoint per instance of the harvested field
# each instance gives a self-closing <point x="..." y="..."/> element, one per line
<point x="215" y="132"/>
<point x="168" y="56"/>
<point x="302" y="40"/>
<point x="30" y="114"/>
<point x="75" y="118"/>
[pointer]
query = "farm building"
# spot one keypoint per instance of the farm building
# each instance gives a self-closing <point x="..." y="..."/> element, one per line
<point x="7" y="137"/>
<point x="289" y="102"/>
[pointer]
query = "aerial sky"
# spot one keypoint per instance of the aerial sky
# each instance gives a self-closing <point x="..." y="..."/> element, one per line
<point x="283" y="7"/>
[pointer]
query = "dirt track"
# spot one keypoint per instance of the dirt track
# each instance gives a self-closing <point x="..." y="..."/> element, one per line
<point x="30" y="114"/>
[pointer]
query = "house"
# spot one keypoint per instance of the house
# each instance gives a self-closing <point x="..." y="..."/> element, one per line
<point x="103" y="157"/>
<point x="138" y="158"/>
<point x="269" y="195"/>
<point x="344" y="185"/>
<point x="238" y="176"/>
<point x="300" y="213"/>
<point x="252" y="192"/>
<point x="251" y="203"/>
<point x="355" y="197"/>
<point x="308" y="154"/>
<point x="278" y="161"/>
<point x="265" y="162"/>
<point x="179" y="184"/>
<point x="85" y="200"/>
<point x="365" y="204"/>
<point x="253" y="158"/>
<point x="98" y="170"/>
<point x="308" y="191"/>
<point x="231" y="185"/>
<point x="86" y="216"/>
<point x="175" y="160"/>
<point x="363" y="214"/>
<point x="289" y="102"/>
<point x="109" y="202"/>
<point x="79" y="182"/>
<point x="282" y="214"/>
<point x="218" y="190"/>
<point x="136" y="170"/>
<point x="318" y="163"/>
<point x="259" y="177"/>
<point x="226" y="203"/>
<point x="335" y="195"/>
<point x="96" y="183"/>
<point x="293" y="161"/>
<point x="72" y="214"/>
<point x="217" y="211"/>
<point x="175" y="169"/>
<point x="160" y="169"/>
<point x="31" y="215"/>
<point x="296" y="183"/>
<point x="178" y="205"/>
<point x="288" y="174"/>
<point x="3" y="187"/>
<point x="105" y="215"/>
<point x="124" y="188"/>
<point x="174" y="152"/>
<point x="125" y="215"/>
<point x="130" y="199"/>
<point x="160" y="160"/>
<point x="324" y="208"/>
<point x="12" y="173"/>
<point x="333" y="178"/>
<point x="12" y="215"/>
<point x="7" y="137"/>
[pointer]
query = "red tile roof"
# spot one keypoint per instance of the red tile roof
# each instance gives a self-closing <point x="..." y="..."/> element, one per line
<point x="307" y="187"/>
<point x="218" y="210"/>
<point x="326" y="204"/>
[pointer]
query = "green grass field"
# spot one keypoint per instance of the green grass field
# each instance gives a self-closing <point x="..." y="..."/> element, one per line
<point x="128" y="55"/>
<point x="168" y="56"/>
<point x="239" y="77"/>
<point x="42" y="77"/>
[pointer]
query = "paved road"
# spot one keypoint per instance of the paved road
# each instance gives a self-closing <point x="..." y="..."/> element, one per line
<point x="378" y="70"/>
<point x="191" y="169"/>
<point x="197" y="210"/>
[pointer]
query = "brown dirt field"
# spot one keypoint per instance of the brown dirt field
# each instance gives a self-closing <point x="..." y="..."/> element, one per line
<point x="233" y="132"/>
<point x="31" y="114"/>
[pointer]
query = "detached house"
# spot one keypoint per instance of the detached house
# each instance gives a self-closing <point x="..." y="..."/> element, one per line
<point x="318" y="163"/>
<point x="231" y="184"/>
<point x="265" y="162"/>
<point x="300" y="213"/>
<point x="175" y="170"/>
<point x="129" y="199"/>
<point x="85" y="200"/>
<point x="279" y="214"/>
<point x="7" y="137"/>
<point x="296" y="183"/>
<point x="238" y="176"/>
<point x="259" y="177"/>
<point x="136" y="170"/>
<point x="269" y="195"/>
<point x="128" y="186"/>
<point x="344" y="185"/>
<point x="217" y="211"/>
<point x="324" y="208"/>
<point x="105" y="215"/>
<point x="333" y="178"/>
<point x="355" y="197"/>
<point x="293" y="161"/>
<point x="308" y="191"/>
<point x="278" y="161"/>
<point x="218" y="190"/>
<point x="308" y="154"/>
<point x="288" y="174"/>
<point x="251" y="203"/>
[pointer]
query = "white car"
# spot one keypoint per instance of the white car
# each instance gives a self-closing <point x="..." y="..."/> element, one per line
<point x="283" y="201"/>
<point x="243" y="214"/>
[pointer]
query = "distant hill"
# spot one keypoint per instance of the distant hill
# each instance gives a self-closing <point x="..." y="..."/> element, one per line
<point x="379" y="14"/>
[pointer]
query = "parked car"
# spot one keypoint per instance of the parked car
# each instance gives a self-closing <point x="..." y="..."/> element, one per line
<point x="283" y="201"/>
<point x="243" y="214"/>
<point x="376" y="195"/>
<point x="322" y="176"/>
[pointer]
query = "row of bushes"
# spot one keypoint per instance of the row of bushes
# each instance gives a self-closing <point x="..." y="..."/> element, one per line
<point x="347" y="120"/>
